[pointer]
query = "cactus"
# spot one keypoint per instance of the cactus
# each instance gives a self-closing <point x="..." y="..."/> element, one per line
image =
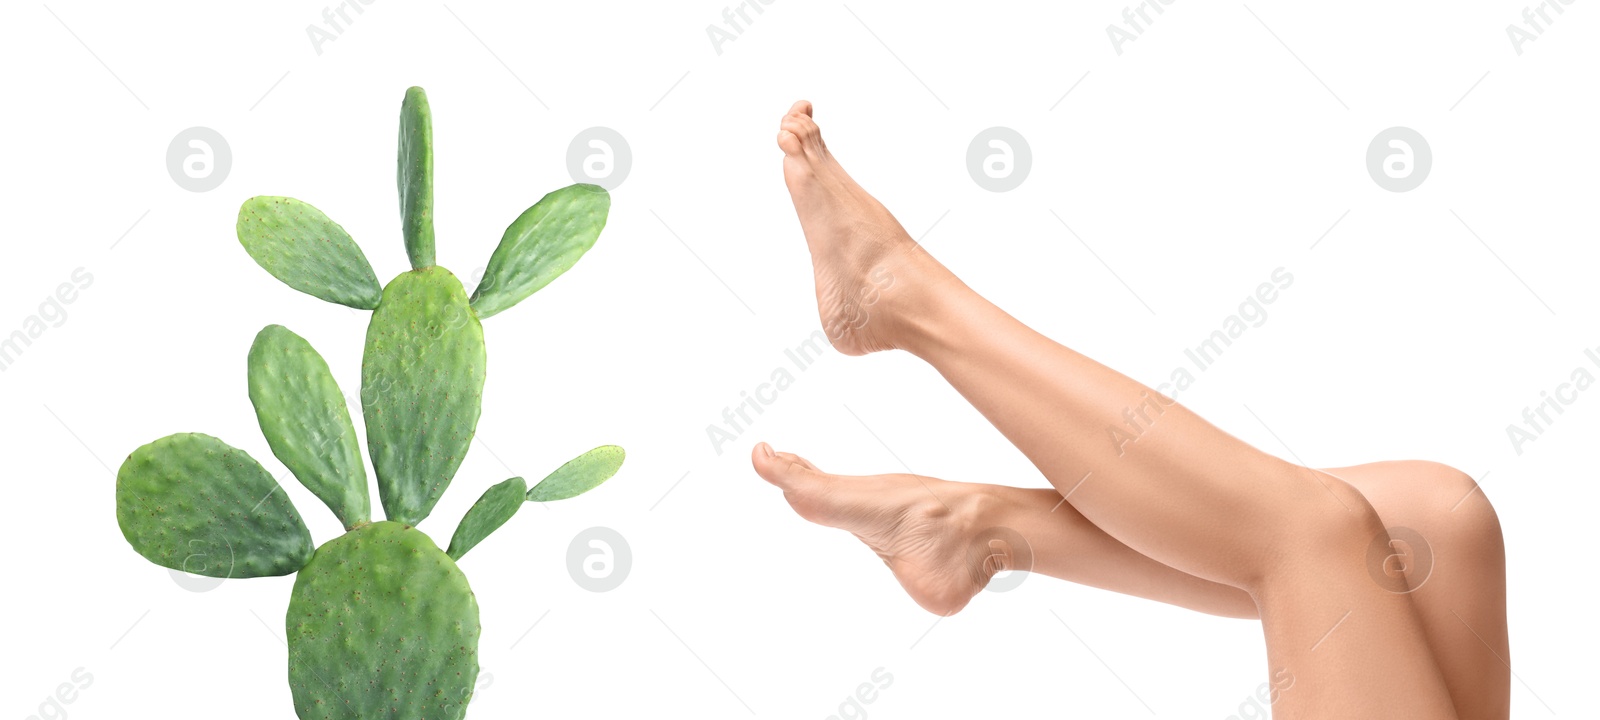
<point x="381" y="622"/>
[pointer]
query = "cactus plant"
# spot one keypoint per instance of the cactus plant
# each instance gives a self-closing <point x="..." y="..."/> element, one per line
<point x="381" y="622"/>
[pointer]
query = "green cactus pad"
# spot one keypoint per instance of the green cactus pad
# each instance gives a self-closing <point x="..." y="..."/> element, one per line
<point x="307" y="423"/>
<point x="381" y="624"/>
<point x="493" y="509"/>
<point x="421" y="389"/>
<point x="191" y="502"/>
<point x="580" y="475"/>
<point x="415" y="177"/>
<point x="307" y="251"/>
<point x="544" y="242"/>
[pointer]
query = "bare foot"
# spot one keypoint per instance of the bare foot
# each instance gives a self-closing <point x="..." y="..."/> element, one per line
<point x="927" y="540"/>
<point x="858" y="250"/>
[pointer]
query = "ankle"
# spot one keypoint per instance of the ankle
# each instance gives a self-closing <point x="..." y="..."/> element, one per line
<point x="915" y="297"/>
<point x="973" y="508"/>
<point x="1002" y="523"/>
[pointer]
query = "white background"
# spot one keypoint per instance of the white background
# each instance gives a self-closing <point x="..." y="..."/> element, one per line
<point x="1191" y="165"/>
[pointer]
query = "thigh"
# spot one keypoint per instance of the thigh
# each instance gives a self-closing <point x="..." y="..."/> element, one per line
<point x="1445" y="552"/>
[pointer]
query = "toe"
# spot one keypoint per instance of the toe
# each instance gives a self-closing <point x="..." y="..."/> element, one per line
<point x="805" y="130"/>
<point x="789" y="142"/>
<point x="796" y="458"/>
<point x="803" y="127"/>
<point x="786" y="470"/>
<point x="813" y="494"/>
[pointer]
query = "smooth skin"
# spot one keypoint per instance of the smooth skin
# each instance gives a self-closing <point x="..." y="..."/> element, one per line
<point x="1185" y="514"/>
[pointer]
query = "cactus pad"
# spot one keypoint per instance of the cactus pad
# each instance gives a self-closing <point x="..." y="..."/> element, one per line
<point x="497" y="505"/>
<point x="305" y="419"/>
<point x="544" y="242"/>
<point x="381" y="624"/>
<point x="307" y="251"/>
<point x="421" y="389"/>
<point x="415" y="177"/>
<point x="580" y="475"/>
<point x="191" y="502"/>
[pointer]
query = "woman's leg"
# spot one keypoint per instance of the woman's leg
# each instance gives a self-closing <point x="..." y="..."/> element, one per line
<point x="1448" y="554"/>
<point x="1183" y="492"/>
<point x="944" y="540"/>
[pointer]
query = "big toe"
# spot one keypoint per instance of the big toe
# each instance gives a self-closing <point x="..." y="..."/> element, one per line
<point x="786" y="470"/>
<point x="789" y="142"/>
<point x="814" y="494"/>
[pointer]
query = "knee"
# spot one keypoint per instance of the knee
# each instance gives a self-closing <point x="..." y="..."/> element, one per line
<point x="1457" y="504"/>
<point x="1328" y="525"/>
<point x="1430" y="507"/>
